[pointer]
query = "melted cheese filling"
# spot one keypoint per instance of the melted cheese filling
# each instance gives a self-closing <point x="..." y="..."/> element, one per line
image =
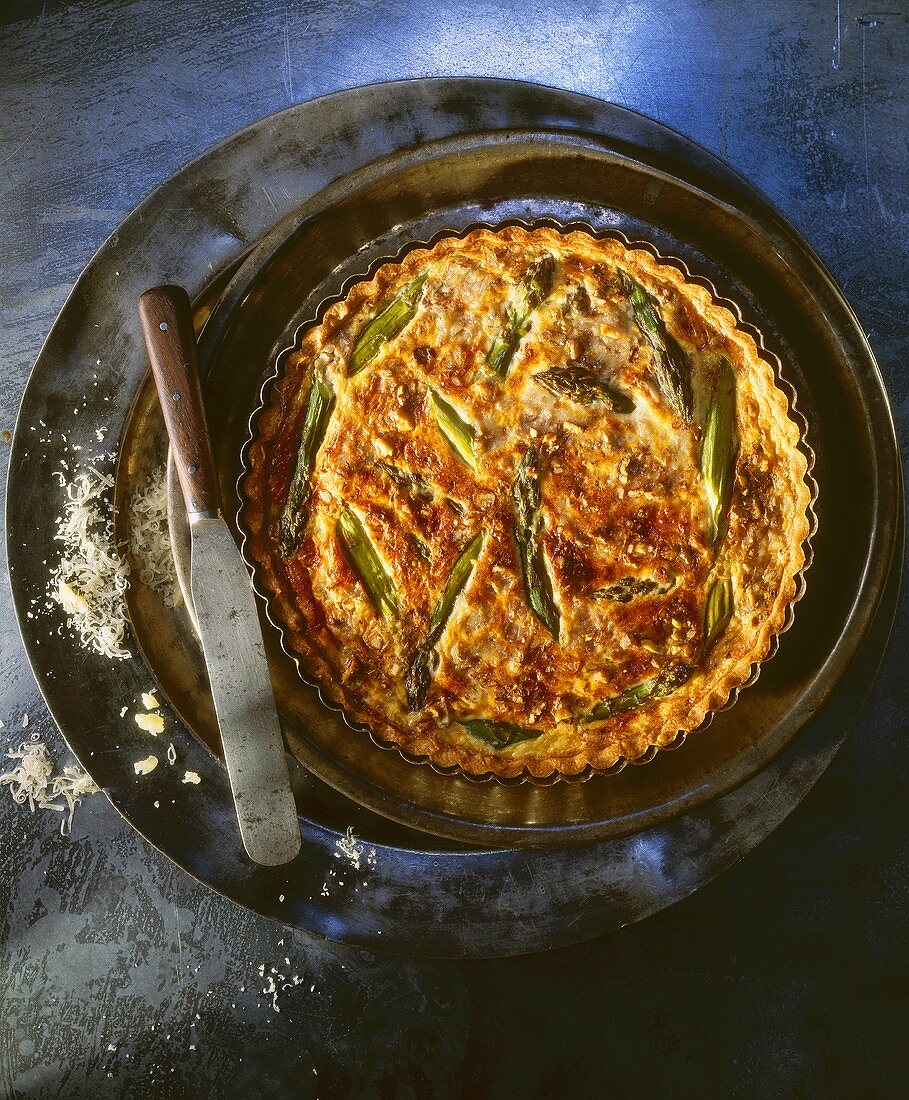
<point x="622" y="497"/>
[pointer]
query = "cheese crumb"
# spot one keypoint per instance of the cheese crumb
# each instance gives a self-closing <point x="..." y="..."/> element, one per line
<point x="149" y="701"/>
<point x="151" y="723"/>
<point x="191" y="777"/>
<point x="143" y="767"/>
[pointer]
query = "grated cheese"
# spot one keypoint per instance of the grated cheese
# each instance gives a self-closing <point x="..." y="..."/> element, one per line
<point x="351" y="850"/>
<point x="143" y="767"/>
<point x="149" y="539"/>
<point x="191" y="777"/>
<point x="149" y="701"/>
<point x="151" y="723"/>
<point x="32" y="780"/>
<point x="91" y="578"/>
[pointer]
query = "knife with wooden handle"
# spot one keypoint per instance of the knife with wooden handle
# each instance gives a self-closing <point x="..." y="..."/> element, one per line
<point x="222" y="594"/>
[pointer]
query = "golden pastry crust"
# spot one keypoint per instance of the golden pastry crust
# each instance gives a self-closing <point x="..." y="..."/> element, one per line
<point x="622" y="495"/>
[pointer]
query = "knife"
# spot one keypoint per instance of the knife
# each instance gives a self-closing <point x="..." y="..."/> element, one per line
<point x="222" y="594"/>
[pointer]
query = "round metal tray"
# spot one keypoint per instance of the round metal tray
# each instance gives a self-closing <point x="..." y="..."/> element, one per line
<point x="781" y="296"/>
<point x="424" y="895"/>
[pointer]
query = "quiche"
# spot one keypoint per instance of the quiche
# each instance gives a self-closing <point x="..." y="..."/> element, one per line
<point x="527" y="502"/>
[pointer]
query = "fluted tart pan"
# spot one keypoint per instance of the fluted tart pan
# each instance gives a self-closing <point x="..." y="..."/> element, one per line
<point x="451" y="646"/>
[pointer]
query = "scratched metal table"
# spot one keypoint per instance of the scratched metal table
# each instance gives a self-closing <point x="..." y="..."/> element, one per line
<point x="119" y="975"/>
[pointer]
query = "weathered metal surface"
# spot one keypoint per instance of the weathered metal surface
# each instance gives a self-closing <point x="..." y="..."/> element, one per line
<point x="809" y="106"/>
<point x="429" y="903"/>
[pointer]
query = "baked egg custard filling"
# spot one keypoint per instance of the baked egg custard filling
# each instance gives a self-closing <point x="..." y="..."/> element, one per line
<point x="527" y="501"/>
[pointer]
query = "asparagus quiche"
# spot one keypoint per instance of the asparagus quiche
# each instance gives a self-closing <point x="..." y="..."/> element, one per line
<point x="527" y="501"/>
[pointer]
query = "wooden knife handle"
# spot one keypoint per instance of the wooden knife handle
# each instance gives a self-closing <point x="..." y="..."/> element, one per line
<point x="167" y="324"/>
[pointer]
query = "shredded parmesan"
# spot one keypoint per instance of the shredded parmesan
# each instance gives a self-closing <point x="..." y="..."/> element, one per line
<point x="149" y="539"/>
<point x="276" y="982"/>
<point x="191" y="777"/>
<point x="149" y="701"/>
<point x="352" y="851"/>
<point x="32" y="780"/>
<point x="91" y="578"/>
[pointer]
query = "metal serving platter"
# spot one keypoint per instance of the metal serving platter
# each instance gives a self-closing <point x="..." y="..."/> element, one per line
<point x="450" y="185"/>
<point x="426" y="895"/>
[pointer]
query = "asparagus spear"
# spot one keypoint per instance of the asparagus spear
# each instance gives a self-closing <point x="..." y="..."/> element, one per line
<point x="419" y="672"/>
<point x="399" y="312"/>
<point x="629" y="588"/>
<point x="655" y="687"/>
<point x="626" y="700"/>
<point x="500" y="735"/>
<point x="418" y="676"/>
<point x="670" y="364"/>
<point x="417" y="486"/>
<point x="454" y="586"/>
<point x="502" y="349"/>
<point x="315" y="419"/>
<point x="718" y="610"/>
<point x="410" y="482"/>
<point x="422" y="549"/>
<point x="585" y="387"/>
<point x="460" y="435"/>
<point x="535" y="287"/>
<point x="719" y="448"/>
<point x="577" y="300"/>
<point x="525" y="495"/>
<point x="538" y="281"/>
<point x="366" y="563"/>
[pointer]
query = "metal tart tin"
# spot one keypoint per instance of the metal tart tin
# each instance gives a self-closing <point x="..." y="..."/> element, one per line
<point x="181" y="541"/>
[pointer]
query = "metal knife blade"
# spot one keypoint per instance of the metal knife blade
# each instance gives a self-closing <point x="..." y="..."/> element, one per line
<point x="222" y="594"/>
<point x="242" y="692"/>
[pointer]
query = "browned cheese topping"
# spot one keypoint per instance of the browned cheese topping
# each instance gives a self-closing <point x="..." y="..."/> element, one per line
<point x="528" y="500"/>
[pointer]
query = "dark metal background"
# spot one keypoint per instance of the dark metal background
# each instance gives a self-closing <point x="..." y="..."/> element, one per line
<point x="824" y="889"/>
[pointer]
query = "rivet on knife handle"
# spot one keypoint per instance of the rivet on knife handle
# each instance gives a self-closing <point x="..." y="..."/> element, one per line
<point x="167" y="323"/>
